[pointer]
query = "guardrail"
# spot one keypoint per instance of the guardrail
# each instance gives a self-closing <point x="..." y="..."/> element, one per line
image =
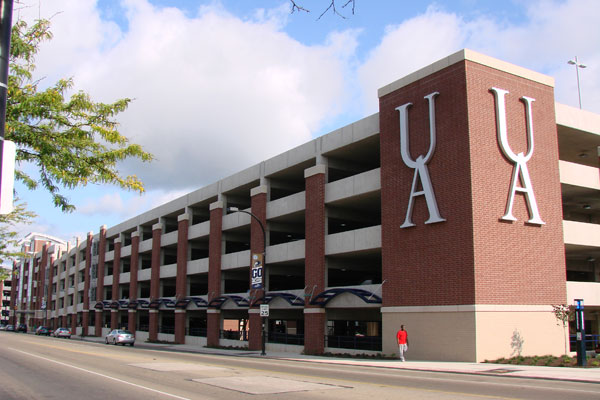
<point x="196" y="332"/>
<point x="591" y="342"/>
<point x="234" y="335"/>
<point x="285" y="338"/>
<point x="354" y="342"/>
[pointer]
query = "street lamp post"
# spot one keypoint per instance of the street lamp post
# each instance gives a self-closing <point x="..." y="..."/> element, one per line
<point x="580" y="321"/>
<point x="262" y="227"/>
<point x="577" y="65"/>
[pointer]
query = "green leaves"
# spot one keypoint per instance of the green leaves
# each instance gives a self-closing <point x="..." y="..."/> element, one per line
<point x="8" y="237"/>
<point x="72" y="141"/>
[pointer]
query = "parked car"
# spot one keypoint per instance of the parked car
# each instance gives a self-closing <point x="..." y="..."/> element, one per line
<point x="120" y="336"/>
<point x="10" y="328"/>
<point x="62" y="333"/>
<point x="42" y="330"/>
<point x="3" y="327"/>
<point x="21" y="328"/>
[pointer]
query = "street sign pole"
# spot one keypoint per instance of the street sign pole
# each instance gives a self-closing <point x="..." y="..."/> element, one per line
<point x="264" y="313"/>
<point x="579" y="318"/>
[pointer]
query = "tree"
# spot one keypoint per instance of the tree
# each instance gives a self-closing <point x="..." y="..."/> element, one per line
<point x="8" y="237"/>
<point x="71" y="141"/>
<point x="564" y="313"/>
<point x="332" y="7"/>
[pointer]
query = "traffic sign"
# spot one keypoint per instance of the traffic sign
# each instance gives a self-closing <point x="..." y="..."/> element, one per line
<point x="264" y="310"/>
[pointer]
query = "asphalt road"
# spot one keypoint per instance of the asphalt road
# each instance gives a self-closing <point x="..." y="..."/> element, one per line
<point x="34" y="367"/>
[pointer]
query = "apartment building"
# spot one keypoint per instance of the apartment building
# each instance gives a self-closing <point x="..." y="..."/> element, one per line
<point x="464" y="209"/>
<point x="5" y="289"/>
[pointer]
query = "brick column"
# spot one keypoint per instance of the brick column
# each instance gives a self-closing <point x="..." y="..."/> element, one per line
<point x="213" y="316"/>
<point x="13" y="294"/>
<point x="50" y="291"/>
<point x="114" y="314"/>
<point x="73" y="319"/>
<point x="40" y="297"/>
<point x="314" y="265"/>
<point x="133" y="280"/>
<point x="155" y="280"/>
<point x="181" y="280"/>
<point x="259" y="209"/>
<point x="100" y="281"/>
<point x="85" y="316"/>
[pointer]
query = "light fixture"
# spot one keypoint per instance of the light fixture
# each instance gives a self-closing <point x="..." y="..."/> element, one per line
<point x="583" y="155"/>
<point x="587" y="207"/>
<point x="577" y="65"/>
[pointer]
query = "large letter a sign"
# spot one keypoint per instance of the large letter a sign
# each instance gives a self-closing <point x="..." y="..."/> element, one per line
<point x="520" y="170"/>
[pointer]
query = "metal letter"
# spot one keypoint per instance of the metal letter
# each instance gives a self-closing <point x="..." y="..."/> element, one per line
<point x="520" y="160"/>
<point x="420" y="165"/>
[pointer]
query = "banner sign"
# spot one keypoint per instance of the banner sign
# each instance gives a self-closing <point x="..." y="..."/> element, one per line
<point x="257" y="271"/>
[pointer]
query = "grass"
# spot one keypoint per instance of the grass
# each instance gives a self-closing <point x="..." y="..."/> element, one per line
<point x="548" y="361"/>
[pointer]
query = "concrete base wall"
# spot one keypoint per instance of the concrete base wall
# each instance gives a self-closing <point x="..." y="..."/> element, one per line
<point x="141" y="337"/>
<point x="533" y="330"/>
<point x="284" y="348"/>
<point x="166" y="337"/>
<point x="473" y="333"/>
<point x="195" y="341"/>
<point x="442" y="335"/>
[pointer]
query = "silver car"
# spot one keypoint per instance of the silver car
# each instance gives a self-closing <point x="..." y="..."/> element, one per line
<point x="120" y="336"/>
<point x="62" y="333"/>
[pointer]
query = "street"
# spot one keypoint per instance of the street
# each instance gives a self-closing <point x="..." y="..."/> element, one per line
<point x="36" y="367"/>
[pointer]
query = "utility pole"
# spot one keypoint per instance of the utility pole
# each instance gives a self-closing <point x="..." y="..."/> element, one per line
<point x="7" y="148"/>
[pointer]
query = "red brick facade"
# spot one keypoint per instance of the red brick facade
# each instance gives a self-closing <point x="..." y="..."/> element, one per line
<point x="154" y="281"/>
<point x="86" y="286"/>
<point x="100" y="281"/>
<point x="133" y="280"/>
<point x="454" y="262"/>
<point x="213" y="319"/>
<point x="257" y="245"/>
<point x="181" y="279"/>
<point x="315" y="267"/>
<point x="114" y="316"/>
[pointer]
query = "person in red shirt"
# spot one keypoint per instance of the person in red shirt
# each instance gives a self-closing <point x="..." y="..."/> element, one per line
<point x="402" y="339"/>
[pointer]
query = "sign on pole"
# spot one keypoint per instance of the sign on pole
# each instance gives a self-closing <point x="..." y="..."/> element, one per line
<point x="257" y="271"/>
<point x="264" y="310"/>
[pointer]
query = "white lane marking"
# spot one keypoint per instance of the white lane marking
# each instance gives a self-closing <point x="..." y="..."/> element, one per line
<point x="104" y="376"/>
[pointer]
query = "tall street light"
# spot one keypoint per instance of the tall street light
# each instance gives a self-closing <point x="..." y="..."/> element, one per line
<point x="262" y="227"/>
<point x="577" y="65"/>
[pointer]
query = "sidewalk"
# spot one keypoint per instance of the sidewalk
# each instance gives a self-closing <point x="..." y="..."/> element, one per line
<point x="590" y="375"/>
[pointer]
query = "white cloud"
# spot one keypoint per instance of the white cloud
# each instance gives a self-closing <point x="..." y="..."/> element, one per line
<point x="407" y="47"/>
<point x="121" y="206"/>
<point x="552" y="33"/>
<point x="213" y="93"/>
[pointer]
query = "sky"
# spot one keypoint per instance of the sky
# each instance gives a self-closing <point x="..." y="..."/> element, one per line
<point x="218" y="86"/>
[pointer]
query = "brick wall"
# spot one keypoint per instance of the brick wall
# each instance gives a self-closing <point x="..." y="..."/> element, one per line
<point x="213" y="320"/>
<point x="86" y="286"/>
<point x="515" y="262"/>
<point x="154" y="281"/>
<point x="472" y="257"/>
<point x="114" y="316"/>
<point x="259" y="209"/>
<point x="428" y="264"/>
<point x="315" y="266"/>
<point x="98" y="315"/>
<point x="133" y="280"/>
<point x="181" y="279"/>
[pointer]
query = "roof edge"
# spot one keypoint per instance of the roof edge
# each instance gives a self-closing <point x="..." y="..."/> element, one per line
<point x="466" y="55"/>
